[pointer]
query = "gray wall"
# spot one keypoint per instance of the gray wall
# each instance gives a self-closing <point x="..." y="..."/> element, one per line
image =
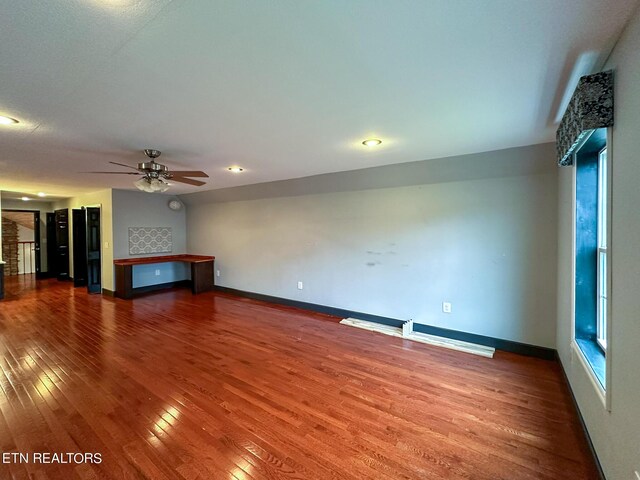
<point x="140" y="209"/>
<point x="486" y="243"/>
<point x="43" y="208"/>
<point x="615" y="434"/>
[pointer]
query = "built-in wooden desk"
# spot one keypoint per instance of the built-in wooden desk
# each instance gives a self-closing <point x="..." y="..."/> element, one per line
<point x="201" y="273"/>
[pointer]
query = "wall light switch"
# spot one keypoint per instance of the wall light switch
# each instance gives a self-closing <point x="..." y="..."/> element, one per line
<point x="217" y="273"/>
<point x="300" y="286"/>
<point x="106" y="244"/>
<point x="157" y="272"/>
<point x="446" y="307"/>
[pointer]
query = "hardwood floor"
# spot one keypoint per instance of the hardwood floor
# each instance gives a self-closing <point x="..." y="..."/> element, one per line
<point x="214" y="386"/>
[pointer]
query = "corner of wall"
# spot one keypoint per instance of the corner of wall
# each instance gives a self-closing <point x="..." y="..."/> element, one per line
<point x="0" y="227"/>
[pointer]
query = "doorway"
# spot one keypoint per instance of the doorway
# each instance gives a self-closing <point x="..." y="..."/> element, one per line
<point x="87" y="258"/>
<point x="66" y="237"/>
<point x="79" y="222"/>
<point x="86" y="253"/>
<point x="21" y="242"/>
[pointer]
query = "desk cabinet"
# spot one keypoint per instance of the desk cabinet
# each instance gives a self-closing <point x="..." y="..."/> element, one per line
<point x="202" y="279"/>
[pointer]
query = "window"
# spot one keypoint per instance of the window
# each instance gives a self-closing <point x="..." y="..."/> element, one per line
<point x="601" y="325"/>
<point x="591" y="260"/>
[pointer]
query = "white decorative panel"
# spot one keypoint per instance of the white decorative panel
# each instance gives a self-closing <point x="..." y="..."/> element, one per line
<point x="149" y="240"/>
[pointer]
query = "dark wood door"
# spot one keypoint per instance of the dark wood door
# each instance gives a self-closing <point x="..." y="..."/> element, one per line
<point x="79" y="228"/>
<point x="52" y="250"/>
<point x="94" y="283"/>
<point x="62" y="243"/>
<point x="36" y="243"/>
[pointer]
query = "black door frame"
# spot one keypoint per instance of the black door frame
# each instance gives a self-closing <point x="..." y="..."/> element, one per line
<point x="79" y="235"/>
<point x="52" y="249"/>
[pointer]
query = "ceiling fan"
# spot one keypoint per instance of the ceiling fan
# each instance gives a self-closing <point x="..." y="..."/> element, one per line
<point x="155" y="175"/>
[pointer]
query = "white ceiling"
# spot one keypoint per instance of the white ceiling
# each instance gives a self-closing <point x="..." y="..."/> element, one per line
<point x="283" y="88"/>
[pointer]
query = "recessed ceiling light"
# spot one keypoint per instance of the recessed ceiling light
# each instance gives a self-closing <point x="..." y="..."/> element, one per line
<point x="42" y="194"/>
<point x="372" y="142"/>
<point x="7" y="120"/>
<point x="236" y="169"/>
<point x="25" y="199"/>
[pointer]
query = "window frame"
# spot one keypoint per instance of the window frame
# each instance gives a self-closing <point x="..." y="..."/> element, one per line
<point x="602" y="290"/>
<point x="604" y="392"/>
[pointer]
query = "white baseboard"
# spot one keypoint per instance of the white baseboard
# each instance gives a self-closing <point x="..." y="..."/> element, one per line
<point x="406" y="332"/>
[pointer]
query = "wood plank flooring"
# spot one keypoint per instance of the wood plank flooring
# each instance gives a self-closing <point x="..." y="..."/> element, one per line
<point x="213" y="386"/>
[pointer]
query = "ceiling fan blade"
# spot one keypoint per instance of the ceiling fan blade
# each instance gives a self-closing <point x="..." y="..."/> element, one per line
<point x="188" y="173"/>
<point x="124" y="165"/>
<point x="118" y="173"/>
<point x="188" y="181"/>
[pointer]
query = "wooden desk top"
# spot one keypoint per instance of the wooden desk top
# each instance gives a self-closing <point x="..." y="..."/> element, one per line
<point x="163" y="259"/>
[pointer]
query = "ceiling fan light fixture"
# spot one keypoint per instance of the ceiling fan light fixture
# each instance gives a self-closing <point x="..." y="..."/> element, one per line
<point x="158" y="185"/>
<point x="156" y="176"/>
<point x="151" y="185"/>
<point x="142" y="184"/>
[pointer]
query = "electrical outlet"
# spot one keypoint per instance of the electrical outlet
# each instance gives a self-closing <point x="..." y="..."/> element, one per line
<point x="157" y="272"/>
<point x="217" y="273"/>
<point x="300" y="286"/>
<point x="446" y="307"/>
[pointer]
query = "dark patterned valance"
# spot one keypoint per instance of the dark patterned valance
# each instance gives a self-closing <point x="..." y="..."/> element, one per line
<point x="591" y="107"/>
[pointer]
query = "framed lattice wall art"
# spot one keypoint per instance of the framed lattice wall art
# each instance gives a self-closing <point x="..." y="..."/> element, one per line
<point x="150" y="240"/>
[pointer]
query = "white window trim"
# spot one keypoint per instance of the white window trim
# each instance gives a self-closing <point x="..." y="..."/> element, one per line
<point x="609" y="362"/>
<point x="602" y="341"/>
<point x="602" y="336"/>
<point x="603" y="394"/>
